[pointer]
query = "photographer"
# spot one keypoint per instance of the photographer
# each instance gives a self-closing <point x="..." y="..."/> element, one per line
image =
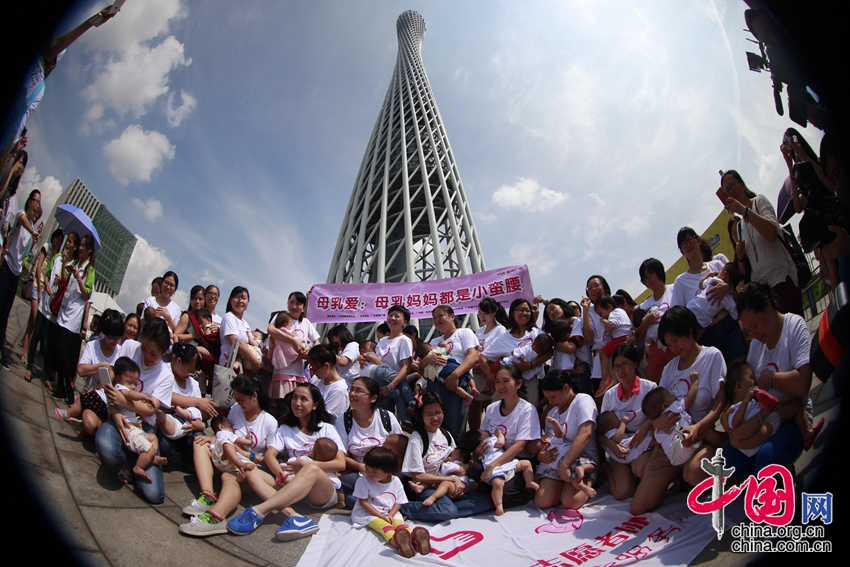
<point x="837" y="252"/>
<point x="770" y="261"/>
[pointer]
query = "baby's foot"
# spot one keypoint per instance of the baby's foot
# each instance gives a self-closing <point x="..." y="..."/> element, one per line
<point x="416" y="487"/>
<point x="340" y="500"/>
<point x="160" y="460"/>
<point x="587" y="490"/>
<point x="500" y="510"/>
<point x="534" y="485"/>
<point x="469" y="401"/>
<point x="429" y="501"/>
<point x="475" y="392"/>
<point x="813" y="434"/>
<point x="140" y="472"/>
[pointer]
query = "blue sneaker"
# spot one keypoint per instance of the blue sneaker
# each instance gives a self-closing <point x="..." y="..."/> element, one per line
<point x="245" y="523"/>
<point x="296" y="527"/>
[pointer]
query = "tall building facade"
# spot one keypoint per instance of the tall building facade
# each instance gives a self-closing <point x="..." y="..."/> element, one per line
<point x="116" y="241"/>
<point x="408" y="218"/>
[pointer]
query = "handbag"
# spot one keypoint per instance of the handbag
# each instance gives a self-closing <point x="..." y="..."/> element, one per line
<point x="58" y="296"/>
<point x="222" y="394"/>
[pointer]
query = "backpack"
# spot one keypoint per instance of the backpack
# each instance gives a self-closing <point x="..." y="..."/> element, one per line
<point x="448" y="436"/>
<point x="348" y="420"/>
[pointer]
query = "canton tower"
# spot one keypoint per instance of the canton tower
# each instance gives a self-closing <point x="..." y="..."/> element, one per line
<point x="408" y="218"/>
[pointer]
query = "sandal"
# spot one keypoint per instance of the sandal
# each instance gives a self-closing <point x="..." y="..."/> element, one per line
<point x="813" y="435"/>
<point x="603" y="387"/>
<point x="125" y="476"/>
<point x="421" y="540"/>
<point x="767" y="400"/>
<point x="402" y="542"/>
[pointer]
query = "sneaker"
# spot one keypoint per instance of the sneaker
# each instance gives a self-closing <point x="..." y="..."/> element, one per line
<point x="198" y="526"/>
<point x="603" y="387"/>
<point x="63" y="415"/>
<point x="4" y="362"/>
<point x="199" y="506"/>
<point x="296" y="527"/>
<point x="245" y="523"/>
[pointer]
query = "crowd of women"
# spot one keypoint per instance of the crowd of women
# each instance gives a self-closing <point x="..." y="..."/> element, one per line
<point x="545" y="397"/>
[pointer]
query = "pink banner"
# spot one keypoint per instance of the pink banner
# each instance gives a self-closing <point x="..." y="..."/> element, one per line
<point x="350" y="303"/>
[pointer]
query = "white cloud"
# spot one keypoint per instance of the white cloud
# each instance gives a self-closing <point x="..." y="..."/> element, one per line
<point x="485" y="217"/>
<point x="599" y="200"/>
<point x="136" y="154"/>
<point x="528" y="195"/>
<point x="539" y="261"/>
<point x="135" y="23"/>
<point x="50" y="188"/>
<point x="176" y="115"/>
<point x="135" y="78"/>
<point x="146" y="263"/>
<point x="209" y="278"/>
<point x="152" y="209"/>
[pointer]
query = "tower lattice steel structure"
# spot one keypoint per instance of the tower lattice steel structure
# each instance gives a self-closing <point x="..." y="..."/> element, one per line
<point x="408" y="218"/>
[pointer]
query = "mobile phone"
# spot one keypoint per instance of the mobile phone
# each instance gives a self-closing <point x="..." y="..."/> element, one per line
<point x="103" y="376"/>
<point x="721" y="194"/>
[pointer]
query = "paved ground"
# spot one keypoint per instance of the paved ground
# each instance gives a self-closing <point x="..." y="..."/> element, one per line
<point x="103" y="522"/>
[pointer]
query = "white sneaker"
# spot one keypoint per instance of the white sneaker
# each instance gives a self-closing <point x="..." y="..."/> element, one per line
<point x="200" y="528"/>
<point x="196" y="508"/>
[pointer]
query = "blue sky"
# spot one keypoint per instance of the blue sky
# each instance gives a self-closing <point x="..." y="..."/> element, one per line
<point x="227" y="135"/>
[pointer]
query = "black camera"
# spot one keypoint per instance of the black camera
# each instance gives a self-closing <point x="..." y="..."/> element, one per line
<point x="822" y="208"/>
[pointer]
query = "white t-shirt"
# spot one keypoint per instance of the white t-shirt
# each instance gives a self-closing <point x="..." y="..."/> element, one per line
<point x="581" y="410"/>
<point x="216" y="319"/>
<point x="173" y="309"/>
<point x="791" y="352"/>
<point x="439" y="449"/>
<point x="260" y="431"/>
<point x="191" y="390"/>
<point x="486" y="339"/>
<point x="305" y="331"/>
<point x="457" y="345"/>
<point x="394" y="351"/>
<point x="93" y="354"/>
<point x="712" y="375"/>
<point x="522" y="424"/>
<point x="614" y="401"/>
<point x="599" y="338"/>
<point x="770" y="261"/>
<point x="335" y="396"/>
<point x="73" y="305"/>
<point x="526" y="353"/>
<point x="156" y="381"/>
<point x="358" y="441"/>
<point x="676" y="457"/>
<point x="687" y="285"/>
<point x="232" y="325"/>
<point x="351" y="371"/>
<point x="128" y="414"/>
<point x="582" y="352"/>
<point x="20" y="241"/>
<point x="705" y="310"/>
<point x="383" y="496"/>
<point x="563" y="360"/>
<point x="660" y="305"/>
<point x="296" y="443"/>
<point x="623" y="325"/>
<point x="505" y="344"/>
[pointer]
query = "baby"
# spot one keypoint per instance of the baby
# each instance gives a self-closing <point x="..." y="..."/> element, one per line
<point x="582" y="466"/>
<point x="619" y="327"/>
<point x="755" y="414"/>
<point x="615" y="430"/>
<point x="367" y="362"/>
<point x="703" y="308"/>
<point x="230" y="452"/>
<point x="143" y="444"/>
<point x="442" y="372"/>
<point x="205" y="321"/>
<point x="324" y="450"/>
<point x="529" y="352"/>
<point x="283" y="353"/>
<point x="487" y="448"/>
<point x="656" y="405"/>
<point x="456" y="464"/>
